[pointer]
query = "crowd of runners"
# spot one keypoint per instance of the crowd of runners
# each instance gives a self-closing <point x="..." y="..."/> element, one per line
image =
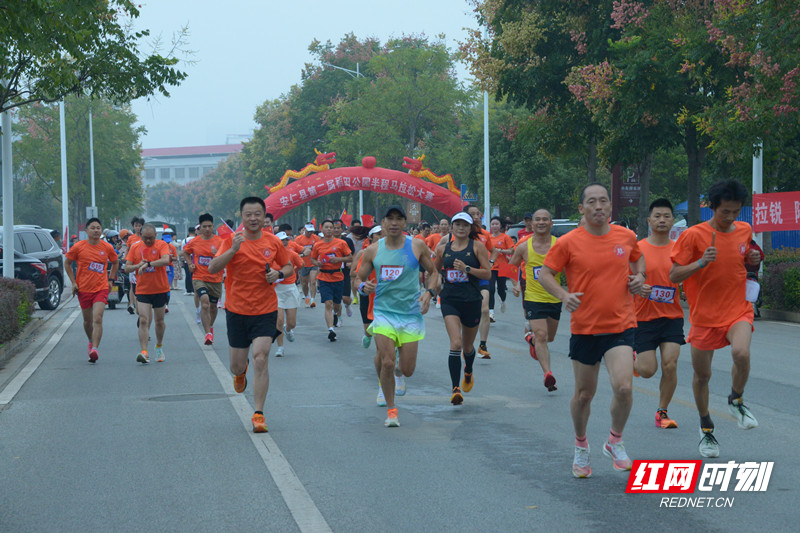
<point x="623" y="296"/>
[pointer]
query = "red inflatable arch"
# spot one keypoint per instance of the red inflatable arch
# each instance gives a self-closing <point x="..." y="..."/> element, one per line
<point x="374" y="179"/>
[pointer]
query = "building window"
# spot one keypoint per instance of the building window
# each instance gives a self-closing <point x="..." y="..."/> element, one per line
<point x="206" y="170"/>
<point x="194" y="172"/>
<point x="180" y="173"/>
<point x="163" y="174"/>
<point x="150" y="174"/>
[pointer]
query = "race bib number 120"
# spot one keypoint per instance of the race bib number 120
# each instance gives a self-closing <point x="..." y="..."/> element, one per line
<point x="391" y="272"/>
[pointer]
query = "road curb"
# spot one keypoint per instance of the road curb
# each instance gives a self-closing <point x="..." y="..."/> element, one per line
<point x="12" y="347"/>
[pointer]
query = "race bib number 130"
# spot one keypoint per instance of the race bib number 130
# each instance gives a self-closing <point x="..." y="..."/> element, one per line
<point x="661" y="294"/>
<point x="391" y="272"/>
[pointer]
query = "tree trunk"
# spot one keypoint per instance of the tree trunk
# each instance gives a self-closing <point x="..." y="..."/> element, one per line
<point x="591" y="163"/>
<point x="645" y="169"/>
<point x="695" y="155"/>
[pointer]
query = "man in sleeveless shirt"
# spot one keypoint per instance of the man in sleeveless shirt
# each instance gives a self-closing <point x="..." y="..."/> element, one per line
<point x="398" y="306"/>
<point x="542" y="309"/>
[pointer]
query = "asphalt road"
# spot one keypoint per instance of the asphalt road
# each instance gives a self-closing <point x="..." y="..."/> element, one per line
<point x="118" y="446"/>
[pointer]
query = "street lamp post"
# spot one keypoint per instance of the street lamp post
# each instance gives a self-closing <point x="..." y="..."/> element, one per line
<point x="8" y="198"/>
<point x="64" y="194"/>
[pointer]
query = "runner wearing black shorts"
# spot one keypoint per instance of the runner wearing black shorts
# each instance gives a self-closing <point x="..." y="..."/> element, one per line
<point x="463" y="263"/>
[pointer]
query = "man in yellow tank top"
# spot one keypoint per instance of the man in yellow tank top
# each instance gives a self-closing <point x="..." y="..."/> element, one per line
<point x="542" y="310"/>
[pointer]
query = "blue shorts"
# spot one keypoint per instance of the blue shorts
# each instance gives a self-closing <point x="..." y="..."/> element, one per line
<point x="483" y="284"/>
<point x="331" y="290"/>
<point x="170" y="273"/>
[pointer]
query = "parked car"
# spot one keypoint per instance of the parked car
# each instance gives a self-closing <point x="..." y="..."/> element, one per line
<point x="36" y="242"/>
<point x="560" y="227"/>
<point x="30" y="269"/>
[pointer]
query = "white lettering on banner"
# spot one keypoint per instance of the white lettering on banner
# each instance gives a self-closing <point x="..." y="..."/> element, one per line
<point x="384" y="184"/>
<point x="302" y="193"/>
<point x="356" y="182"/>
<point x="394" y="185"/>
<point x="96" y="267"/>
<point x="716" y="474"/>
<point x="338" y="181"/>
<point x="365" y="181"/>
<point x="428" y="196"/>
<point x="456" y="276"/>
<point x="661" y="294"/>
<point x="284" y="201"/>
<point x="753" y="476"/>
<point x="412" y="190"/>
<point x="775" y="213"/>
<point x="421" y="193"/>
<point x="291" y="197"/>
<point x="391" y="272"/>
<point x="760" y="213"/>
<point x="331" y="185"/>
<point x="312" y="190"/>
<point x="403" y="187"/>
<point x="796" y="212"/>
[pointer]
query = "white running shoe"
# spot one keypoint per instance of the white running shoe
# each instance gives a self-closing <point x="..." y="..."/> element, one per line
<point x="366" y="340"/>
<point x="580" y="464"/>
<point x="708" y="447"/>
<point x="197" y="318"/>
<point x="348" y="310"/>
<point x="289" y="335"/>
<point x="502" y="307"/>
<point x="618" y="455"/>
<point x="400" y="385"/>
<point x="491" y="316"/>
<point x="381" y="400"/>
<point x="279" y="352"/>
<point x="744" y="418"/>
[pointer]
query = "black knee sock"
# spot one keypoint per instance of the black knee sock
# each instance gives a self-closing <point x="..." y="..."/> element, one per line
<point x="469" y="358"/>
<point x="454" y="362"/>
<point x="706" y="423"/>
<point x="733" y="396"/>
<point x="483" y="344"/>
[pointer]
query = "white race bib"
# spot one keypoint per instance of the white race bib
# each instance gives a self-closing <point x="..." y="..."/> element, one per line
<point x="96" y="267"/>
<point x="204" y="260"/>
<point x="536" y="272"/>
<point x="665" y="295"/>
<point x="391" y="272"/>
<point x="456" y="276"/>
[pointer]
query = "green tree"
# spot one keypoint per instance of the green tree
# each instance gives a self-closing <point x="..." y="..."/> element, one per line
<point x="37" y="162"/>
<point x="54" y="48"/>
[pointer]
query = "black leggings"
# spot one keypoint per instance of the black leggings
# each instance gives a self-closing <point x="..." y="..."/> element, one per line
<point x="501" y="288"/>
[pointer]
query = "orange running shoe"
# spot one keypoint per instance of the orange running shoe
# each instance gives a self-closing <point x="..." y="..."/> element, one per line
<point x="391" y="418"/>
<point x="484" y="353"/>
<point x="635" y="373"/>
<point x="550" y="381"/>
<point x="240" y="381"/>
<point x="456" y="398"/>
<point x="259" y="426"/>
<point x="663" y="421"/>
<point x="209" y="340"/>
<point x="530" y="339"/>
<point x="467" y="382"/>
<point x="313" y="304"/>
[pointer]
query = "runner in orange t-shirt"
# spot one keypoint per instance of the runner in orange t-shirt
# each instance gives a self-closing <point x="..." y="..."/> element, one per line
<point x="149" y="258"/>
<point x="136" y="224"/>
<point x="198" y="254"/>
<point x="329" y="255"/>
<point x="486" y="238"/>
<point x="504" y="247"/>
<point x="254" y="261"/>
<point x="709" y="259"/>
<point x="596" y="260"/>
<point x="433" y="242"/>
<point x="288" y="295"/>
<point x="659" y="315"/>
<point x="308" y="274"/>
<point x="92" y="281"/>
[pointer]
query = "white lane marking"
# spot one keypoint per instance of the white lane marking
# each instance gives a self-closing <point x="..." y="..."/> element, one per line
<point x="304" y="511"/>
<point x="19" y="380"/>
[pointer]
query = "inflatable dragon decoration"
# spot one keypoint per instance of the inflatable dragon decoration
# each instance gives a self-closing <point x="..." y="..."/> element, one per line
<point x="323" y="161"/>
<point x="416" y="169"/>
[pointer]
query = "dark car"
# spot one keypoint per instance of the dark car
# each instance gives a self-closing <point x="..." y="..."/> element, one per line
<point x="36" y="242"/>
<point x="30" y="269"/>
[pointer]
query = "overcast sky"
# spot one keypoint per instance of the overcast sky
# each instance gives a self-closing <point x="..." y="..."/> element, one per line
<point x="249" y="51"/>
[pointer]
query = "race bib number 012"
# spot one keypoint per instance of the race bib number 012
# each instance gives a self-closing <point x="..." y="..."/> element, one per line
<point x="456" y="276"/>
<point x="391" y="272"/>
<point x="665" y="295"/>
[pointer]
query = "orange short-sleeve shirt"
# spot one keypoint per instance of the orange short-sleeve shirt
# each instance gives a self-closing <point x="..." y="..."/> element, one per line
<point x="306" y="242"/>
<point x="433" y="240"/>
<point x="92" y="262"/>
<point x="664" y="301"/>
<point x="203" y="251"/>
<point x="297" y="262"/>
<point x="598" y="266"/>
<point x="504" y="242"/>
<point x="153" y="280"/>
<point x="335" y="248"/>
<point x="716" y="293"/>
<point x="246" y="287"/>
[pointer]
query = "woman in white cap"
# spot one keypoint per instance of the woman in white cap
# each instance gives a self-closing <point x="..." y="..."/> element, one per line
<point x="288" y="296"/>
<point x="462" y="263"/>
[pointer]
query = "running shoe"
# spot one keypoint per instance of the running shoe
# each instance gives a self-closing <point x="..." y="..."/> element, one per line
<point x="744" y="418"/>
<point x="348" y="310"/>
<point x="240" y="381"/>
<point x="580" y="464"/>
<point x="503" y="306"/>
<point x="313" y="305"/>
<point x="331" y="335"/>
<point x="663" y="421"/>
<point x="130" y="310"/>
<point x="166" y="309"/>
<point x="89" y="349"/>
<point x="143" y="357"/>
<point x="279" y="352"/>
<point x="456" y="398"/>
<point x="381" y="399"/>
<point x="467" y="382"/>
<point x="308" y="302"/>
<point x="491" y="317"/>
<point x="335" y="320"/>
<point x="484" y="353"/>
<point x="259" y="425"/>
<point x="93" y="355"/>
<point x="400" y="385"/>
<point x="290" y="335"/>
<point x="438" y="302"/>
<point x="209" y="340"/>
<point x="197" y="318"/>
<point x="160" y="357"/>
<point x="708" y="447"/>
<point x="635" y="373"/>
<point x="550" y="381"/>
<point x="618" y="456"/>
<point x="391" y="418"/>
<point x="366" y="340"/>
<point x="531" y="340"/>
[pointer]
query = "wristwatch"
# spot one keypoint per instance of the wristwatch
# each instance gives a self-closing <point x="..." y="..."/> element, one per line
<point x="433" y="293"/>
<point x="148" y="264"/>
<point x="467" y="269"/>
<point x="280" y="274"/>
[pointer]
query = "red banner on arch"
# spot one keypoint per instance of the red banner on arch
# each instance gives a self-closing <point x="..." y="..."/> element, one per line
<point x="776" y="211"/>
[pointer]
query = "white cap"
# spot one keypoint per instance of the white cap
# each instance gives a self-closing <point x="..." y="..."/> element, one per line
<point x="374" y="230"/>
<point x="309" y="227"/>
<point x="168" y="230"/>
<point x="462" y="216"/>
<point x="321" y="234"/>
<point x="281" y="235"/>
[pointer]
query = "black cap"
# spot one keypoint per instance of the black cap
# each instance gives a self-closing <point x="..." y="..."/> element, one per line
<point x="397" y="208"/>
<point x="528" y="215"/>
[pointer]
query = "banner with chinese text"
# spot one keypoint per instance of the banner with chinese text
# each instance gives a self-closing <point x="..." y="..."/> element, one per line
<point x="777" y="211"/>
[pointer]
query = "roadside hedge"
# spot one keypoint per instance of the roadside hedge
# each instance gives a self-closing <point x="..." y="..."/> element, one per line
<point x="781" y="283"/>
<point x="17" y="298"/>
